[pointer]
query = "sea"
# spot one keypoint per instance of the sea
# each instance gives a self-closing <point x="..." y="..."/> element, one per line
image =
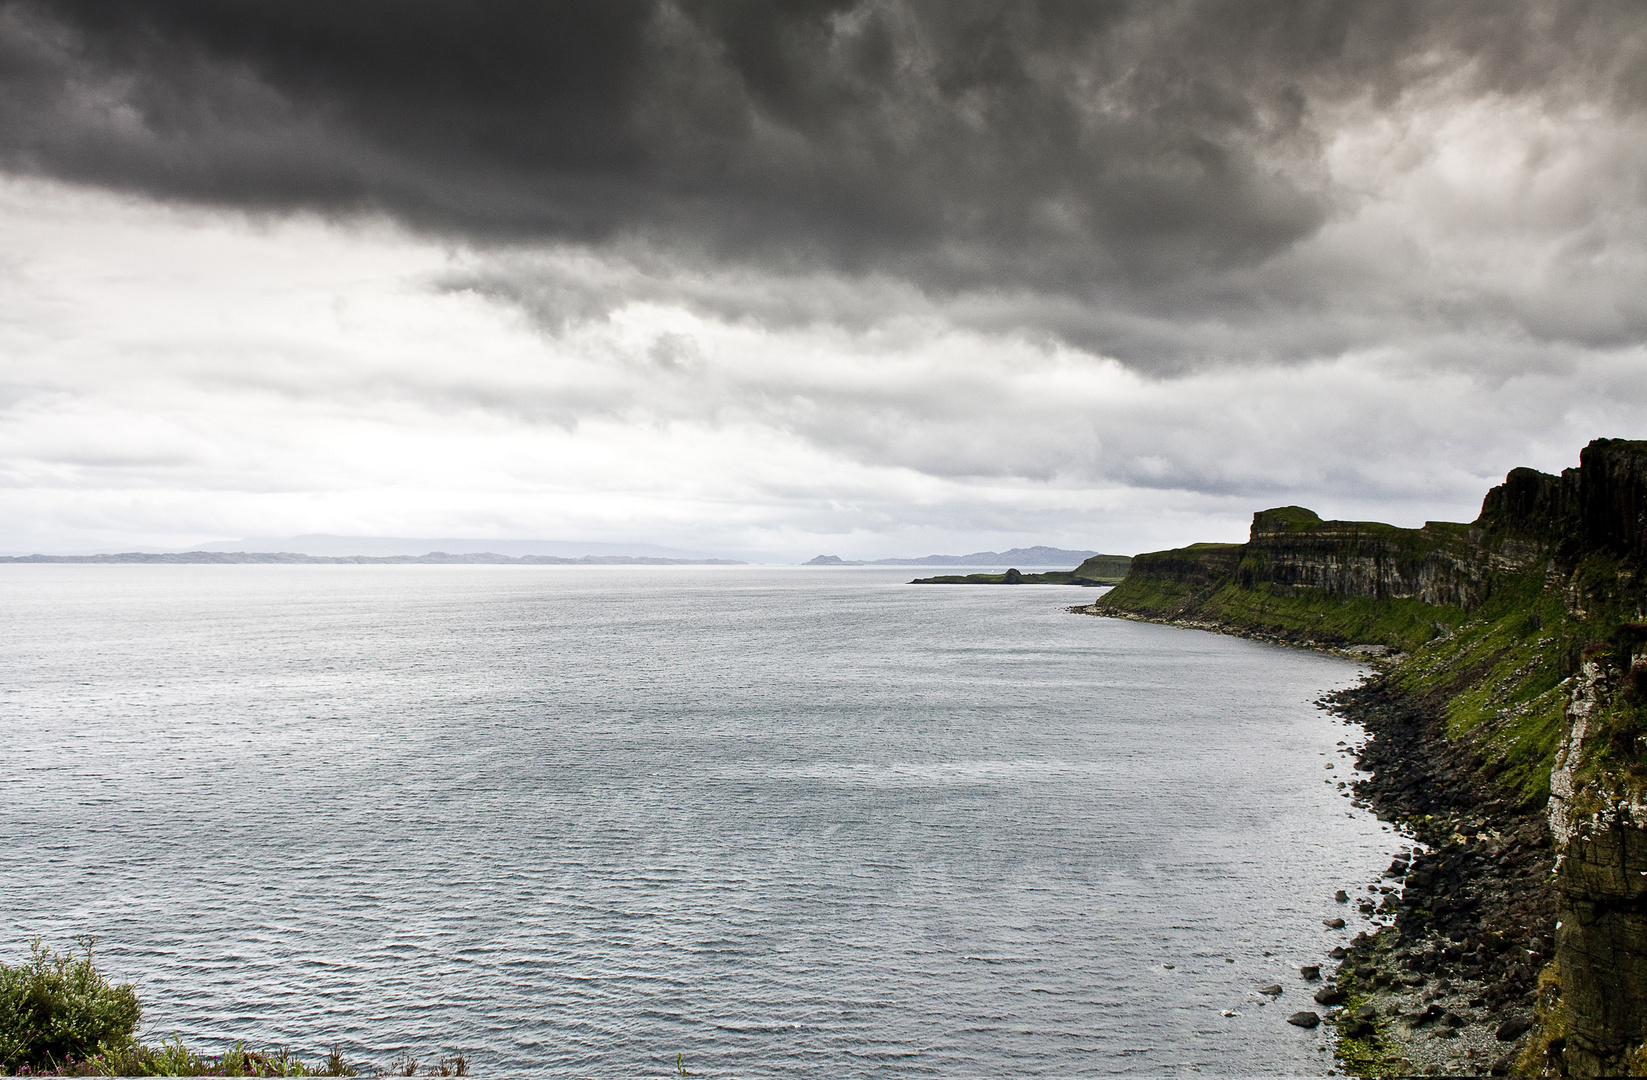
<point x="593" y="821"/>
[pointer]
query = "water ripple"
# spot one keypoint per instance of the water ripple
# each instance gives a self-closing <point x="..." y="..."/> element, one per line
<point x="579" y="820"/>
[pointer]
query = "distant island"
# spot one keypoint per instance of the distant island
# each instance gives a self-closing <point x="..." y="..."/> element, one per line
<point x="1030" y="556"/>
<point x="1097" y="570"/>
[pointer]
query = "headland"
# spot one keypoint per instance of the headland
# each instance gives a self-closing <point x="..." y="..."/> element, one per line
<point x="1093" y="571"/>
<point x="1508" y="737"/>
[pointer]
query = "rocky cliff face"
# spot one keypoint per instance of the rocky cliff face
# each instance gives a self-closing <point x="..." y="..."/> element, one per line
<point x="1204" y="565"/>
<point x="1526" y="632"/>
<point x="1599" y="507"/>
<point x="1292" y="548"/>
<point x="1532" y="520"/>
<point x="1594" y="1010"/>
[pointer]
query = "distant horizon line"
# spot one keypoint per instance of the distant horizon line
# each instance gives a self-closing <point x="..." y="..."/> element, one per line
<point x="1042" y="556"/>
<point x="443" y="558"/>
<point x="198" y="557"/>
<point x="339" y="548"/>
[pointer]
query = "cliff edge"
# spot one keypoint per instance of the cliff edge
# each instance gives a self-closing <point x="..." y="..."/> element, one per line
<point x="1524" y="634"/>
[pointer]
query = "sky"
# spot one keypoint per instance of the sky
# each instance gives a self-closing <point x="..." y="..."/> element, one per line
<point x="770" y="280"/>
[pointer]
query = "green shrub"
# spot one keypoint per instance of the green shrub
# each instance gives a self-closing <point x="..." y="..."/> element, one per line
<point x="60" y="1017"/>
<point x="56" y="1009"/>
<point x="175" y="1059"/>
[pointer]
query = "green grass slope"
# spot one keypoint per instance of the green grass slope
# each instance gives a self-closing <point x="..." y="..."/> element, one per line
<point x="1495" y="672"/>
<point x="1483" y="622"/>
<point x="1102" y="570"/>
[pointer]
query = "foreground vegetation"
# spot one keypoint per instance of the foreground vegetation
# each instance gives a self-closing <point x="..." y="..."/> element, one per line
<point x="59" y="1016"/>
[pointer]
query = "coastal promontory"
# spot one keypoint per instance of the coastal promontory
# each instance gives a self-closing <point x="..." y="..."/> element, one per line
<point x="1509" y="736"/>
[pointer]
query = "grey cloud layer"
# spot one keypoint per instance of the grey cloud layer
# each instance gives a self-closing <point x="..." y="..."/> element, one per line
<point x="1151" y="181"/>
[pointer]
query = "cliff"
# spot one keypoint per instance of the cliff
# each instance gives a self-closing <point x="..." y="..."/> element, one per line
<point x="1101" y="570"/>
<point x="1097" y="570"/>
<point x="1522" y="631"/>
<point x="1594" y="1009"/>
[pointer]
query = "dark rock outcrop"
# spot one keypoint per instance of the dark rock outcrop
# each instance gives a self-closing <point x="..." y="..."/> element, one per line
<point x="1601" y="944"/>
<point x="1292" y="547"/>
<point x="1533" y="521"/>
<point x="1596" y="999"/>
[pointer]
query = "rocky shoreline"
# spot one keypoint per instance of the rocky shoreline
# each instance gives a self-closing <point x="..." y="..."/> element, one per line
<point x="1378" y="655"/>
<point x="1527" y="630"/>
<point x="1448" y="983"/>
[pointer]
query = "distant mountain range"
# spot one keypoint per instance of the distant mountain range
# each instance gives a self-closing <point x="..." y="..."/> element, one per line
<point x="1030" y="556"/>
<point x="432" y="557"/>
<point x="330" y="544"/>
<point x="329" y="548"/>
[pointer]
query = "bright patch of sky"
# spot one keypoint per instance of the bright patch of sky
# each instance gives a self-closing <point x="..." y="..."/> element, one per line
<point x="814" y="283"/>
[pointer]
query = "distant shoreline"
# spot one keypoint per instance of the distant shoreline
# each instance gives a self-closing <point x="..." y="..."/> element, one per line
<point x="1012" y="577"/>
<point x="438" y="558"/>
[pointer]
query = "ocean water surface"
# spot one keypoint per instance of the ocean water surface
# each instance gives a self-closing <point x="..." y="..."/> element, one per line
<point x="576" y="820"/>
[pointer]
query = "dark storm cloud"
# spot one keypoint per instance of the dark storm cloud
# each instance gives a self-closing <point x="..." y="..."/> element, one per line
<point x="1114" y="174"/>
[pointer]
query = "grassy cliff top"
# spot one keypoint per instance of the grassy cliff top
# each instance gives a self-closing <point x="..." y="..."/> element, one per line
<point x="1102" y="570"/>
